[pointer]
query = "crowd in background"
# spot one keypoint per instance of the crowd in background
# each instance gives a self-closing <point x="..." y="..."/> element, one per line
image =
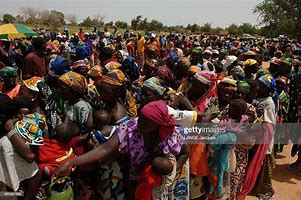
<point x="101" y="115"/>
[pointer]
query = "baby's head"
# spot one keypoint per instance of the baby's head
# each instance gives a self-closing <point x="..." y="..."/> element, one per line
<point x="237" y="108"/>
<point x="174" y="101"/>
<point x="161" y="166"/>
<point x="100" y="119"/>
<point x="65" y="132"/>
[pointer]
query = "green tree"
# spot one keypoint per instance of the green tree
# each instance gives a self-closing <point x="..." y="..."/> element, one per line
<point x="8" y="18"/>
<point x="135" y="22"/>
<point x="121" y="24"/>
<point x="58" y="17"/>
<point x="109" y="24"/>
<point x="280" y="16"/>
<point x="193" y="28"/>
<point x="247" y="28"/>
<point x="87" y="22"/>
<point x="233" y="29"/>
<point x="206" y="27"/>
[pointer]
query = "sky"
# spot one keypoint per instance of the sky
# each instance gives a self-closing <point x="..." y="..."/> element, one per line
<point x="171" y="12"/>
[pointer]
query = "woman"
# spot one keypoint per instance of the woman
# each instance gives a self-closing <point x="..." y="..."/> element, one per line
<point x="24" y="136"/>
<point x="260" y="166"/>
<point x="9" y="85"/>
<point x="73" y="87"/>
<point x="141" y="139"/>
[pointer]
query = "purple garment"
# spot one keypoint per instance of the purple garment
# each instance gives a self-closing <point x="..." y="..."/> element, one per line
<point x="131" y="143"/>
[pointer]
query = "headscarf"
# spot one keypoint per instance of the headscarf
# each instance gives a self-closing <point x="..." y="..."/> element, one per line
<point x="208" y="78"/>
<point x="57" y="66"/>
<point x="95" y="72"/>
<point x="75" y="81"/>
<point x="79" y="63"/>
<point x="8" y="71"/>
<point x="152" y="63"/>
<point x="249" y="63"/>
<point x="154" y="84"/>
<point x="173" y="56"/>
<point x="112" y="65"/>
<point x="157" y="112"/>
<point x="165" y="72"/>
<point x="114" y="77"/>
<point x="38" y="85"/>
<point x="197" y="50"/>
<point x="268" y="80"/>
<point x="244" y="85"/>
<point x="194" y="69"/>
<point x="230" y="82"/>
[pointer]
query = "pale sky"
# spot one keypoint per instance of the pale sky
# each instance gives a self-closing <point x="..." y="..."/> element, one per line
<point x="171" y="12"/>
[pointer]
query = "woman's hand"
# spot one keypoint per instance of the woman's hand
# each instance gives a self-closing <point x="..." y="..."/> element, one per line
<point x="63" y="170"/>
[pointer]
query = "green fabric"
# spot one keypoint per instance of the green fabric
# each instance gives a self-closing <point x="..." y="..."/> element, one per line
<point x="8" y="71"/>
<point x="244" y="85"/>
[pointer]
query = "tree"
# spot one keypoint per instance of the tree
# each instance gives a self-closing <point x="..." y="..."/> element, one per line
<point x="280" y="16"/>
<point x="109" y="24"/>
<point x="206" y="27"/>
<point x="135" y="22"/>
<point x="98" y="20"/>
<point x="247" y="28"/>
<point x="8" y="18"/>
<point x="155" y="25"/>
<point x="233" y="29"/>
<point x="121" y="24"/>
<point x="72" y="19"/>
<point x="87" y="22"/>
<point x="29" y="14"/>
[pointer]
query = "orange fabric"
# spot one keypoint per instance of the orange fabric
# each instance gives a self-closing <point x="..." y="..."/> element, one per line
<point x="198" y="160"/>
<point x="12" y="93"/>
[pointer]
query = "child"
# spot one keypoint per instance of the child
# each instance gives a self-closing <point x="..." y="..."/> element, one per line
<point x="223" y="141"/>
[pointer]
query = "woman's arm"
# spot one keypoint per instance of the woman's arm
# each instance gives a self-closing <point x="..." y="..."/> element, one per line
<point x="184" y="155"/>
<point x="101" y="152"/>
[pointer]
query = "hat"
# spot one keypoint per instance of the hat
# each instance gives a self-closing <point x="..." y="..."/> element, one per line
<point x="173" y="56"/>
<point x="8" y="71"/>
<point x="229" y="61"/>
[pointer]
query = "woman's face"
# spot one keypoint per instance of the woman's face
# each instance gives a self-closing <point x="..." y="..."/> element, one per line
<point x="10" y="81"/>
<point x="149" y="131"/>
<point x="66" y="92"/>
<point x="225" y="95"/>
<point x="148" y="96"/>
<point x="25" y="96"/>
<point x="197" y="89"/>
<point x="173" y="101"/>
<point x="108" y="93"/>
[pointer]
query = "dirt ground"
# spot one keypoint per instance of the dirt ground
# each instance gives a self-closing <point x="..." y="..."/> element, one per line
<point x="287" y="184"/>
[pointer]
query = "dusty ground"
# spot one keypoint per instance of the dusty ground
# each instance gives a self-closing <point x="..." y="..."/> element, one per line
<point x="287" y="184"/>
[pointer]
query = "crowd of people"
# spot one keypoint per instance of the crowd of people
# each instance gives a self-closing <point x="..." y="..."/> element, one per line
<point x="101" y="115"/>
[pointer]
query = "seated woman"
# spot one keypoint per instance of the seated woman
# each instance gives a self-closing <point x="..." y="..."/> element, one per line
<point x="143" y="140"/>
<point x="9" y="86"/>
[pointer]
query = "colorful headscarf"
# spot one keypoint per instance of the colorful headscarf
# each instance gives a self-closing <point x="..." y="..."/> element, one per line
<point x="208" y="78"/>
<point x="154" y="84"/>
<point x="165" y="72"/>
<point x="198" y="50"/>
<point x="75" y="81"/>
<point x="152" y="63"/>
<point x="244" y="85"/>
<point x="157" y="112"/>
<point x="112" y="65"/>
<point x="249" y="63"/>
<point x="32" y="128"/>
<point x="8" y="71"/>
<point x="230" y="82"/>
<point x="79" y="63"/>
<point x="114" y="77"/>
<point x="173" y="56"/>
<point x="268" y="80"/>
<point x="95" y="72"/>
<point x="38" y="85"/>
<point x="57" y="66"/>
<point x="194" y="69"/>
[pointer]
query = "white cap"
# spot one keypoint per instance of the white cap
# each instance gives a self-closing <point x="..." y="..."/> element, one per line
<point x="229" y="61"/>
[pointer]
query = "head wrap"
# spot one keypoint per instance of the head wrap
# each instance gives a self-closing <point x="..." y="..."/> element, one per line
<point x="112" y="65"/>
<point x="268" y="80"/>
<point x="57" y="66"/>
<point x="249" y="63"/>
<point x="95" y="72"/>
<point x="230" y="83"/>
<point x="173" y="56"/>
<point x="32" y="128"/>
<point x="114" y="77"/>
<point x="244" y="85"/>
<point x="8" y="71"/>
<point x="206" y="77"/>
<point x="38" y="85"/>
<point x="154" y="84"/>
<point x="229" y="61"/>
<point x="197" y="50"/>
<point x="157" y="112"/>
<point x="75" y="81"/>
<point x="287" y="61"/>
<point x="194" y="69"/>
<point x="165" y="72"/>
<point x="79" y="63"/>
<point x="152" y="63"/>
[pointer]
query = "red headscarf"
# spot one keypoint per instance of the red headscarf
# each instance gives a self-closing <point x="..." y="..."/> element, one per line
<point x="157" y="112"/>
<point x="166" y="73"/>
